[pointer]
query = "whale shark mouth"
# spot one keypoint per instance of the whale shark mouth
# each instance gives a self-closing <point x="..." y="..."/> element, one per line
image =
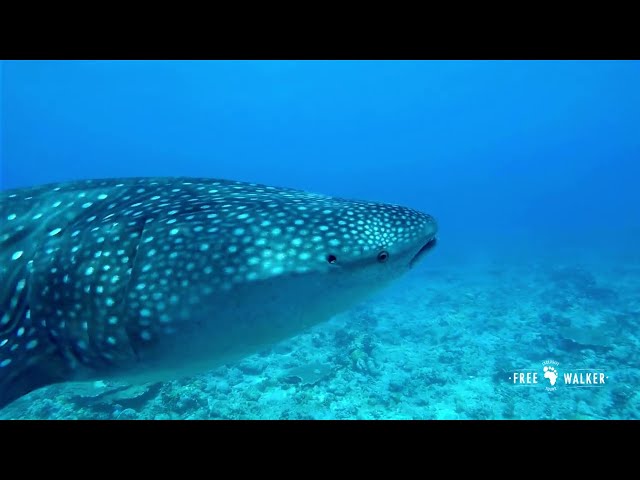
<point x="426" y="248"/>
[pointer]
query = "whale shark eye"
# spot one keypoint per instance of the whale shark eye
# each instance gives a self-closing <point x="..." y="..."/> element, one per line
<point x="383" y="256"/>
<point x="331" y="259"/>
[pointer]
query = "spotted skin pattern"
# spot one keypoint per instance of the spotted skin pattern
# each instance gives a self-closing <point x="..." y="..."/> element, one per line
<point x="127" y="278"/>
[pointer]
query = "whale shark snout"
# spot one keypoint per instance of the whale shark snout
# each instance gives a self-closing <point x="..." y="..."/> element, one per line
<point x="430" y="240"/>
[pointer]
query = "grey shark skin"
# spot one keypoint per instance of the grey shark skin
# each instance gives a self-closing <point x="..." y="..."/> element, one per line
<point x="153" y="278"/>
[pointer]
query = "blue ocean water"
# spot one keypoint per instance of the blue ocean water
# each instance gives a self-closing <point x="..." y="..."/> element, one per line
<point x="530" y="167"/>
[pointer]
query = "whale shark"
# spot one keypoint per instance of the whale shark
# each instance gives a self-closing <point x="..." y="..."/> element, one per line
<point x="140" y="279"/>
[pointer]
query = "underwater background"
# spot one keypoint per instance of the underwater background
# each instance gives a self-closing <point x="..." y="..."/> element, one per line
<point x="532" y="169"/>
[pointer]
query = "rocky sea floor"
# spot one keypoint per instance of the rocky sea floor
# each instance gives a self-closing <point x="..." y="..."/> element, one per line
<point x="443" y="343"/>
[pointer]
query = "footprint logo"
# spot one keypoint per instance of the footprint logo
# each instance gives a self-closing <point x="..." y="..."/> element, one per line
<point x="551" y="373"/>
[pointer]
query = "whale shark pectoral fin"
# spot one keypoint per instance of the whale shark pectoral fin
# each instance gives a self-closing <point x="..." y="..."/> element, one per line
<point x="24" y="375"/>
<point x="29" y="359"/>
<point x="68" y="313"/>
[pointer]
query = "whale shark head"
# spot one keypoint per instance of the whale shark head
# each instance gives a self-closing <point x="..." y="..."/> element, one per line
<point x="354" y="247"/>
<point x="249" y="265"/>
<point x="150" y="278"/>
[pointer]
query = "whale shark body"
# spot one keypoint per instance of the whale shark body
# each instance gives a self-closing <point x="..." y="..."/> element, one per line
<point x="152" y="278"/>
